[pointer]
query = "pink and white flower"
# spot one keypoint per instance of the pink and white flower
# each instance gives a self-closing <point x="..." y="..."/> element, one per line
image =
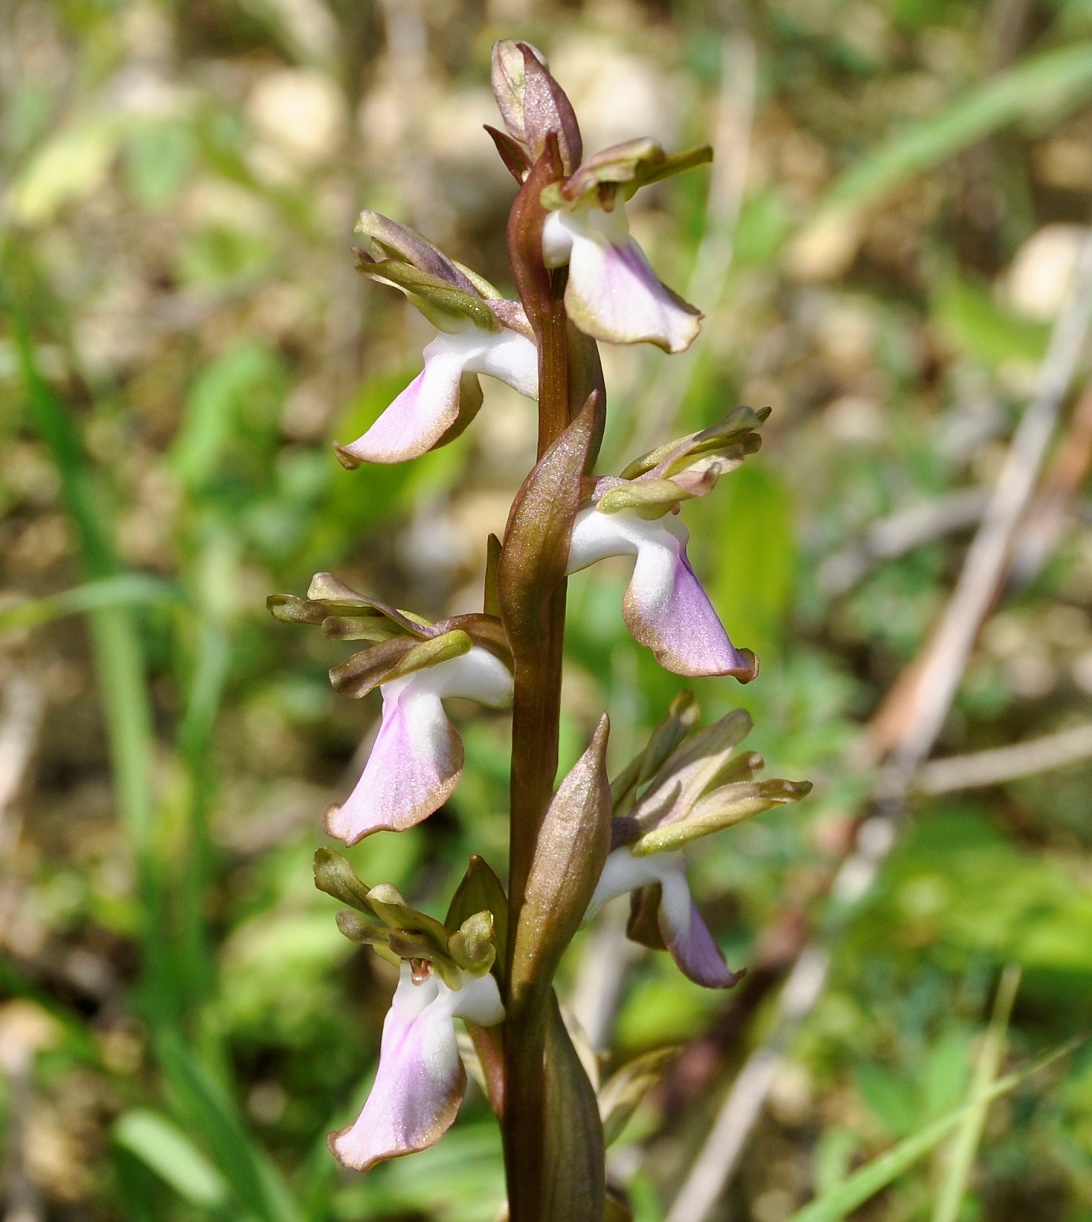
<point x="660" y="881"/>
<point x="421" y="1079"/>
<point x="477" y="331"/>
<point x="417" y="758"/>
<point x="684" y="785"/>
<point x="665" y="607"/>
<point x="445" y="396"/>
<point x="612" y="292"/>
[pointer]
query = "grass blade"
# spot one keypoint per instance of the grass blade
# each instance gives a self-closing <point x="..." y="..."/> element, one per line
<point x="122" y="590"/>
<point x="164" y="1148"/>
<point x="1047" y="83"/>
<point x="881" y="1171"/>
<point x="969" y="1134"/>
<point x="208" y="1109"/>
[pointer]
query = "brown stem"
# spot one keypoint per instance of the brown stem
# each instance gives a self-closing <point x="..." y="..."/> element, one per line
<point x="536" y="714"/>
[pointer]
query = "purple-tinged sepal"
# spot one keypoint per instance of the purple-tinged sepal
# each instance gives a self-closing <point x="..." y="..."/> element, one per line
<point x="665" y="607"/>
<point x="417" y="758"/>
<point x="478" y="332"/>
<point x="444" y="974"/>
<point x="534" y="109"/>
<point x="683" y="786"/>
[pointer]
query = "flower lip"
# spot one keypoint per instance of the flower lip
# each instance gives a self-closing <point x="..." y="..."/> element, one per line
<point x="612" y="292"/>
<point x="417" y="758"/>
<point x="443" y="399"/>
<point x="665" y="607"/>
<point x="421" y="1080"/>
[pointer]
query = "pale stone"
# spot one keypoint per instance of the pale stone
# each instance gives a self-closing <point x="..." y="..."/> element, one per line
<point x="1039" y="278"/>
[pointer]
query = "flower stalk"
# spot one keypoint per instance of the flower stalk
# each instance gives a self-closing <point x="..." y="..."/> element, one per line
<point x="580" y="279"/>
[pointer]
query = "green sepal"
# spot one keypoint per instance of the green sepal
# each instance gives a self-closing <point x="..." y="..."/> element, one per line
<point x="447" y="307"/>
<point x="681" y="718"/>
<point x="734" y="430"/>
<point x="389" y="905"/>
<point x="356" y="929"/>
<point x="473" y="944"/>
<point x="627" y="167"/>
<point x="484" y="630"/>
<point x="481" y="891"/>
<point x="649" y="498"/>
<point x="335" y="876"/>
<point x="364" y="671"/>
<point x="571" y="849"/>
<point x="626" y="1087"/>
<point x="432" y="652"/>
<point x="725" y="807"/>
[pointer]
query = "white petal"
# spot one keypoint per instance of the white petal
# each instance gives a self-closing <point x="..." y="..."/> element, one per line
<point x="623" y="873"/>
<point x="478" y="1000"/>
<point x="477" y="675"/>
<point x="509" y="357"/>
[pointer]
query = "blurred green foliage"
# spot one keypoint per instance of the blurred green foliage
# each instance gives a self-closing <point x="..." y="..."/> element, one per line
<point x="883" y="243"/>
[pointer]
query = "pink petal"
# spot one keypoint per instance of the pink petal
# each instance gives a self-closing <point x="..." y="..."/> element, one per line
<point x="613" y="294"/>
<point x="420" y="1083"/>
<point x="418" y="755"/>
<point x="687" y="936"/>
<point x="665" y="607"/>
<point x="421" y="414"/>
<point x="444" y="397"/>
<point x="413" y="768"/>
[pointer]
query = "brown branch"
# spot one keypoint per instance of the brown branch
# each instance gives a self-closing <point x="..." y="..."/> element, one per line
<point x="983" y="768"/>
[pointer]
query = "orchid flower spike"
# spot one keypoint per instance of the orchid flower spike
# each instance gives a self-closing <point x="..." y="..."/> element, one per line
<point x="684" y="785"/>
<point x="443" y="974"/>
<point x="477" y="332"/>
<point x="665" y="606"/>
<point x="612" y="293"/>
<point x="417" y="758"/>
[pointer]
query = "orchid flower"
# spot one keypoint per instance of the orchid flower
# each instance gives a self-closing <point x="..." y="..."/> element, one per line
<point x="477" y="332"/>
<point x="443" y="974"/>
<point x="683" y="786"/>
<point x="417" y="758"/>
<point x="612" y="293"/>
<point x="665" y="606"/>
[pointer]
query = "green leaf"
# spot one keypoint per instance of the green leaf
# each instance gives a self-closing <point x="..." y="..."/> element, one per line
<point x="970" y="316"/>
<point x="70" y="167"/>
<point x="163" y="1147"/>
<point x="750" y="516"/>
<point x="873" y="1177"/>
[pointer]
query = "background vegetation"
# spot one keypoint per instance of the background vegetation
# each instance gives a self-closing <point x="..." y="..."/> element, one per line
<point x="881" y="249"/>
